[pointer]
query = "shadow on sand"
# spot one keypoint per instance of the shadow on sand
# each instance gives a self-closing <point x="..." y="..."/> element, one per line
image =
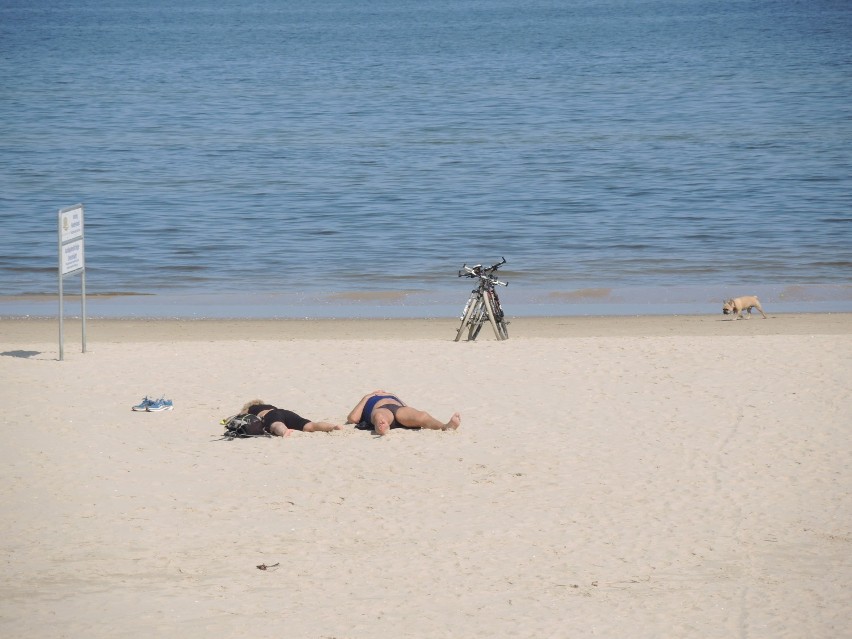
<point x="22" y="354"/>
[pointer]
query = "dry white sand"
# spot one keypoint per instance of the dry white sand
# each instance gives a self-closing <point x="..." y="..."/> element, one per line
<point x="612" y="477"/>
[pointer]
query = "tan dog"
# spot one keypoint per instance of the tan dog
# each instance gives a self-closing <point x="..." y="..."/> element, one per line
<point x="740" y="304"/>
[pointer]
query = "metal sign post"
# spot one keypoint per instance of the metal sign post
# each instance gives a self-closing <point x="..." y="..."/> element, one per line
<point x="71" y="262"/>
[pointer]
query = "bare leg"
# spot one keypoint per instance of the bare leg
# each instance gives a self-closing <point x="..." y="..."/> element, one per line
<point x="321" y="427"/>
<point x="413" y="418"/>
<point x="279" y="429"/>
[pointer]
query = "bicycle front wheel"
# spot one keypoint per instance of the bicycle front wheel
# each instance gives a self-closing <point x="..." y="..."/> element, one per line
<point x="503" y="329"/>
<point x="468" y="314"/>
<point x="502" y="324"/>
<point x="489" y="312"/>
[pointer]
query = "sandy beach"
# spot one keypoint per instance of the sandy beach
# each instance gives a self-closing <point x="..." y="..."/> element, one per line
<point x="612" y="477"/>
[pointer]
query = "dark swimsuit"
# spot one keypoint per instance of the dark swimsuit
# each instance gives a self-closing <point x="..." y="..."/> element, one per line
<point x="369" y="407"/>
<point x="287" y="417"/>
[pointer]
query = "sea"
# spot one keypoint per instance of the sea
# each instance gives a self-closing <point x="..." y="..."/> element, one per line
<point x="345" y="158"/>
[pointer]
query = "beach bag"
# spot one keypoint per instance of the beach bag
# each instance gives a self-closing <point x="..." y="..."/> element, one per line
<point x="243" y="426"/>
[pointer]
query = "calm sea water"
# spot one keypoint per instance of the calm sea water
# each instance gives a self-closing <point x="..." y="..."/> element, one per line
<point x="316" y="149"/>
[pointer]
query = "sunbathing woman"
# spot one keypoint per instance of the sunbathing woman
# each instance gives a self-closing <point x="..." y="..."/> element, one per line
<point x="384" y="411"/>
<point x="280" y="421"/>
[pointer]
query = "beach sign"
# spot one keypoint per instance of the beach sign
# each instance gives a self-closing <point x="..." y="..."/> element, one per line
<point x="72" y="257"/>
<point x="71" y="223"/>
<point x="71" y="240"/>
<point x="72" y="261"/>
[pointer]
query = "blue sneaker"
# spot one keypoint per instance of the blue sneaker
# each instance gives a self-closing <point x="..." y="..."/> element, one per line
<point x="160" y="404"/>
<point x="143" y="405"/>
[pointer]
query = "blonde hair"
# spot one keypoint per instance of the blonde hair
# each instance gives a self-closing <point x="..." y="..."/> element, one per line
<point x="249" y="404"/>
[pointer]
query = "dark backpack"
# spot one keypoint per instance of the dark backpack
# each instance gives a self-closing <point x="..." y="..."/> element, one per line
<point x="243" y="426"/>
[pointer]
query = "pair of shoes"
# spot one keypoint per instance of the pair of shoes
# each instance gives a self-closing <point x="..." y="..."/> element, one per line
<point x="153" y="405"/>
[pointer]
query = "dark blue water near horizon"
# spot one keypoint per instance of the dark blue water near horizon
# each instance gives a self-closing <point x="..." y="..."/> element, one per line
<point x="307" y="149"/>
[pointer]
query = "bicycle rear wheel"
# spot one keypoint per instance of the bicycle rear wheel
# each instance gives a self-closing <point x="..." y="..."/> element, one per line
<point x="476" y="320"/>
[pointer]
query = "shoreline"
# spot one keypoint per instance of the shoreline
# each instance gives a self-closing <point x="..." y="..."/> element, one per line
<point x="521" y="301"/>
<point x="20" y="331"/>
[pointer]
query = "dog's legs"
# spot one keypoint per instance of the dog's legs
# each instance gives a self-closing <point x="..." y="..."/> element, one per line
<point x="757" y="306"/>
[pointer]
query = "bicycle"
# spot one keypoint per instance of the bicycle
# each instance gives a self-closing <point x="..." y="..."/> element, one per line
<point x="483" y="303"/>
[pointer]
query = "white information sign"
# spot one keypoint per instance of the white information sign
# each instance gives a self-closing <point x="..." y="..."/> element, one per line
<point x="72" y="257"/>
<point x="71" y="224"/>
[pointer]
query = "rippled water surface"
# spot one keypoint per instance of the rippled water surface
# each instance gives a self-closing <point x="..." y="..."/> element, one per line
<point x="327" y="146"/>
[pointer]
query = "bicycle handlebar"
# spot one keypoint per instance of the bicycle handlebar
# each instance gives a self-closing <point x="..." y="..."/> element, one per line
<point x="483" y="273"/>
<point x="478" y="271"/>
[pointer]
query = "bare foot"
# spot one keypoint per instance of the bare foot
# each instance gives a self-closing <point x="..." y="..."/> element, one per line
<point x="455" y="422"/>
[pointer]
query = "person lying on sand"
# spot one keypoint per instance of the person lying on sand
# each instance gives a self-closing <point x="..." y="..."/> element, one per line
<point x="384" y="410"/>
<point x="280" y="421"/>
